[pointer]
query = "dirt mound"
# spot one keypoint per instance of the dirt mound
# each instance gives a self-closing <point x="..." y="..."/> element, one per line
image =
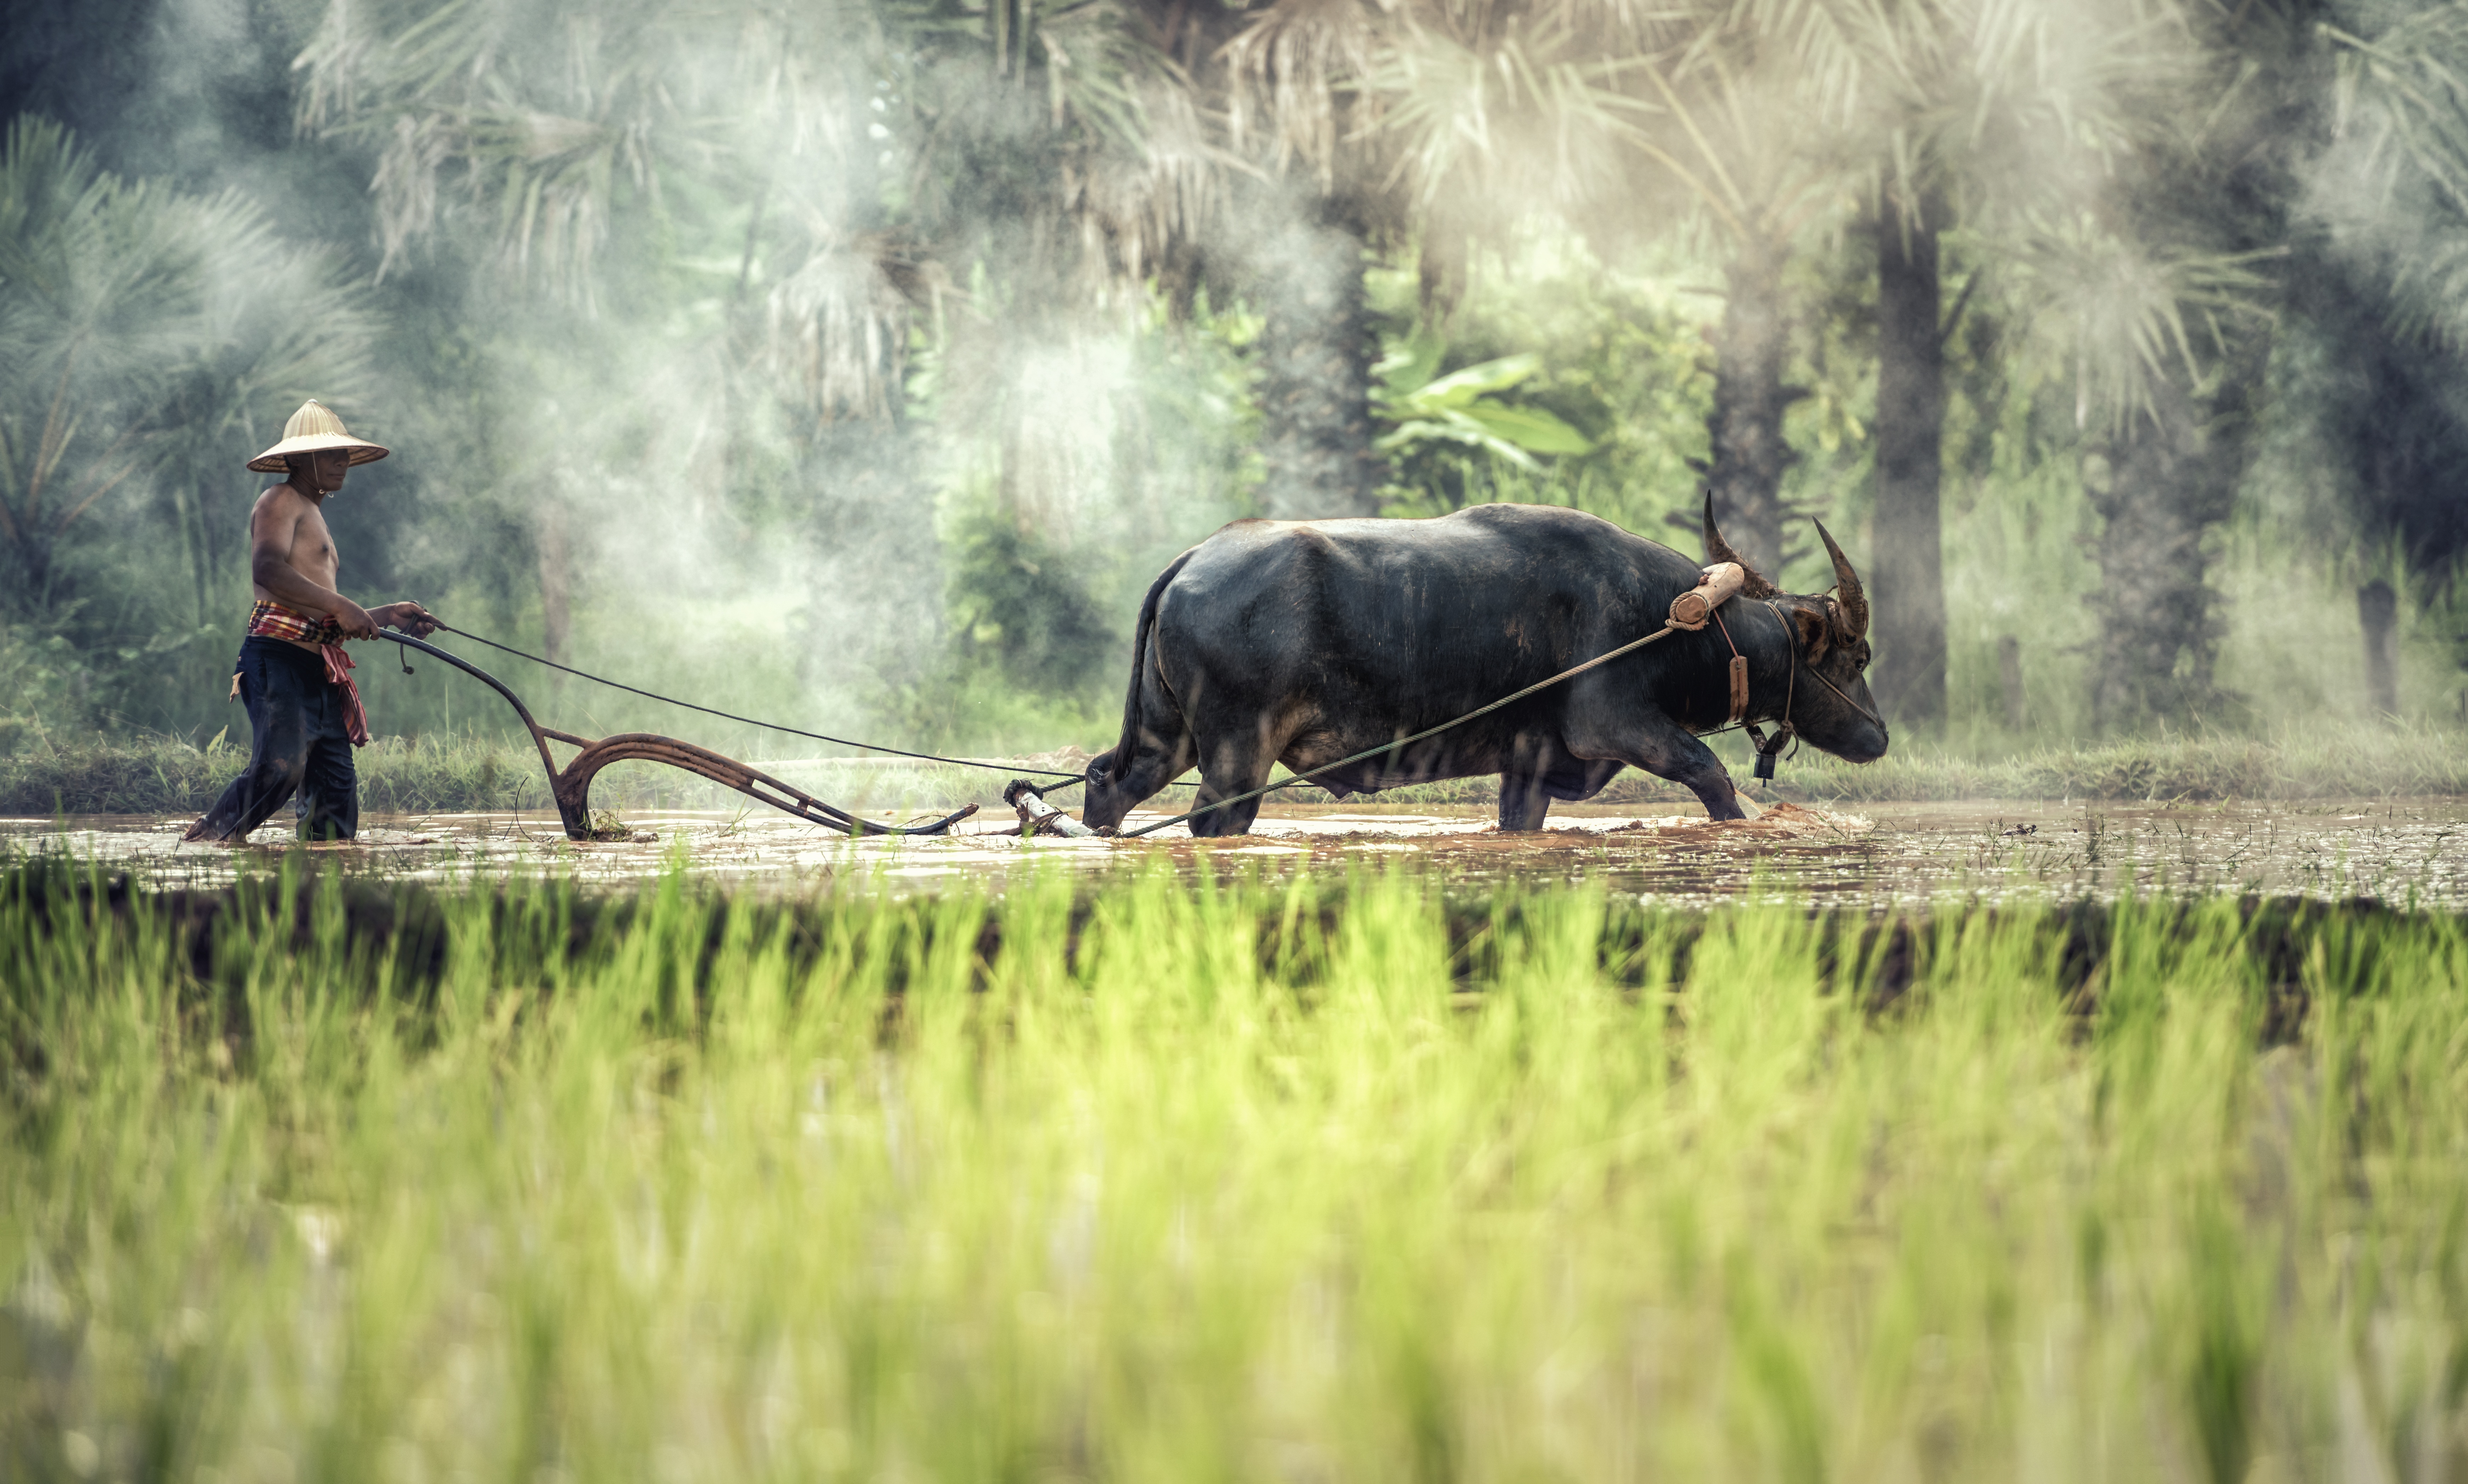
<point x="1062" y="759"/>
<point x="1778" y="821"/>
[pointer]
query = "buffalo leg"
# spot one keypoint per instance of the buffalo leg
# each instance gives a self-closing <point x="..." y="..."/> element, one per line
<point x="1235" y="757"/>
<point x="1228" y="770"/>
<point x="1522" y="803"/>
<point x="1522" y="799"/>
<point x="1155" y="747"/>
<point x="1662" y="747"/>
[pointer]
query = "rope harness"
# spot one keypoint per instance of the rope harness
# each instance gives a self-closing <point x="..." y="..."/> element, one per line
<point x="1785" y="732"/>
<point x="1767" y="751"/>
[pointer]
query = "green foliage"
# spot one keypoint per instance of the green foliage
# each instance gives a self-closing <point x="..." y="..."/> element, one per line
<point x="43" y="684"/>
<point x="145" y="336"/>
<point x="1461" y="418"/>
<point x="1017" y="607"/>
<point x="1608" y="367"/>
<point x="1203" y="1180"/>
<point x="1024" y="663"/>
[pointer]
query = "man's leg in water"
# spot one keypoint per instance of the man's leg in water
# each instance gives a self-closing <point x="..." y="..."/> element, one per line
<point x="329" y="802"/>
<point x="275" y="681"/>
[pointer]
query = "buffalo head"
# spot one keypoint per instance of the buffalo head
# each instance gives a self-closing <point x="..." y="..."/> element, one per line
<point x="1830" y="702"/>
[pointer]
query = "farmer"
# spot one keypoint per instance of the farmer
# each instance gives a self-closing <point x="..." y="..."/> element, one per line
<point x="292" y="674"/>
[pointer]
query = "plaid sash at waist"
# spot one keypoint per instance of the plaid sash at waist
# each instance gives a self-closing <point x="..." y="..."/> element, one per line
<point x="275" y="621"/>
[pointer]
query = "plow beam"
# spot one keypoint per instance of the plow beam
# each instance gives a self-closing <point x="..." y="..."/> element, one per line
<point x="571" y="784"/>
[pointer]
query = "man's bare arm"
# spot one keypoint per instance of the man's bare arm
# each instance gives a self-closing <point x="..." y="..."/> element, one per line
<point x="272" y="527"/>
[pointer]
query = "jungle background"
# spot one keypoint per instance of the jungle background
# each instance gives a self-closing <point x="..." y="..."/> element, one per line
<point x="858" y="363"/>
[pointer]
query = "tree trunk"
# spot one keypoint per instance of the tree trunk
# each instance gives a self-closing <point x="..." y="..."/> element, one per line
<point x="25" y="586"/>
<point x="1745" y="427"/>
<point x="1906" y="549"/>
<point x="2162" y="490"/>
<point x="2172" y="477"/>
<point x="2009" y="677"/>
<point x="2378" y="614"/>
<point x="1314" y="356"/>
<point x="555" y="564"/>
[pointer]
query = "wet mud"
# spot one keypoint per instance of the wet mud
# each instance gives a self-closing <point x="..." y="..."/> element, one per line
<point x="2406" y="852"/>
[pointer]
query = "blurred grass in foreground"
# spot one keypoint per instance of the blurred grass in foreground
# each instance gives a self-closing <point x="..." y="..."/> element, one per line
<point x="163" y="775"/>
<point x="1328" y="1180"/>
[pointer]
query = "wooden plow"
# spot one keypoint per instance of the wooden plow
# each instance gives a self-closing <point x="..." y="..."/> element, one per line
<point x="571" y="784"/>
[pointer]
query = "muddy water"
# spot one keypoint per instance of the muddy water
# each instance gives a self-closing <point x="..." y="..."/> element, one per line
<point x="2400" y="850"/>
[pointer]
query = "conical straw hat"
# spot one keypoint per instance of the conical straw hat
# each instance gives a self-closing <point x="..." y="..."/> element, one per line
<point x="311" y="428"/>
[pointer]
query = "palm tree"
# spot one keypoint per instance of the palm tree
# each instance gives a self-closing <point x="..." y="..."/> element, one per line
<point x="2400" y="143"/>
<point x="1618" y="119"/>
<point x="1005" y="178"/>
<point x="876" y="154"/>
<point x="1316" y="201"/>
<point x="1422" y="126"/>
<point x="1733" y="130"/>
<point x="2382" y="292"/>
<point x="97" y="278"/>
<point x="1969" y="113"/>
<point x="1697" y="114"/>
<point x="144" y="336"/>
<point x="2053" y="137"/>
<point x="2205" y="203"/>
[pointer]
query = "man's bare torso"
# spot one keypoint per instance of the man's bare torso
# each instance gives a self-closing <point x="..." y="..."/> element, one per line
<point x="312" y="553"/>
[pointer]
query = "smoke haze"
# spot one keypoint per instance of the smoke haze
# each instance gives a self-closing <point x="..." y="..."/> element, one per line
<point x="858" y="366"/>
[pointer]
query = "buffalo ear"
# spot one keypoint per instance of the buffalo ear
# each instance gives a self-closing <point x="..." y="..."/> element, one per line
<point x="1816" y="625"/>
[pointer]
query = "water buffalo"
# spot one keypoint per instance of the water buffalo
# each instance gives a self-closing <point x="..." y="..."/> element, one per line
<point x="1304" y="642"/>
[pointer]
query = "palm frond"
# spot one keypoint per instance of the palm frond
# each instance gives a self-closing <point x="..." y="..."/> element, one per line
<point x="838" y="326"/>
<point x="140" y="329"/>
<point x="2394" y="186"/>
<point x="547" y="114"/>
<point x="1521" y="118"/>
<point x="2134" y="314"/>
<point x="1296" y="67"/>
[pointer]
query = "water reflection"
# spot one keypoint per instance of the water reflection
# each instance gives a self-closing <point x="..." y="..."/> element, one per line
<point x="2403" y="850"/>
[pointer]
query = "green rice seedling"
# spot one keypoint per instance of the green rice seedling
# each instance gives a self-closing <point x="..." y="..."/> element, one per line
<point x="1322" y="1176"/>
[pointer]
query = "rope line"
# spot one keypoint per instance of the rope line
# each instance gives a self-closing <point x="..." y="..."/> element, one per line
<point x="774" y="726"/>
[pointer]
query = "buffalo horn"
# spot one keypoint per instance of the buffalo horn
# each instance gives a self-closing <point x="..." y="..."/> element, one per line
<point x="1853" y="597"/>
<point x="1753" y="583"/>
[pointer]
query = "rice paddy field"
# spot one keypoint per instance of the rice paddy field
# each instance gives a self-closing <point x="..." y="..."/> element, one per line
<point x="1220" y="1167"/>
<point x="150" y="773"/>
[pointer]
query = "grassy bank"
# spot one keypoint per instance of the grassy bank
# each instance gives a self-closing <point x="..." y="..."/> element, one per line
<point x="1330" y="1181"/>
<point x="167" y="776"/>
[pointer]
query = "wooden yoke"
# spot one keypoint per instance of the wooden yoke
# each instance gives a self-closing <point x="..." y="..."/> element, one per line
<point x="1693" y="610"/>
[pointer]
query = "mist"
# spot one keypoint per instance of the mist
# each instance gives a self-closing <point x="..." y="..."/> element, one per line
<point x="856" y="366"/>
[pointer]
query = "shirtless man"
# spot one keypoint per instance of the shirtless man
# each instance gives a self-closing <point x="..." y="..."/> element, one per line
<point x="303" y="708"/>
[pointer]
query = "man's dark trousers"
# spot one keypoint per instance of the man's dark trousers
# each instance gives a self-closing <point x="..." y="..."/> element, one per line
<point x="301" y="747"/>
